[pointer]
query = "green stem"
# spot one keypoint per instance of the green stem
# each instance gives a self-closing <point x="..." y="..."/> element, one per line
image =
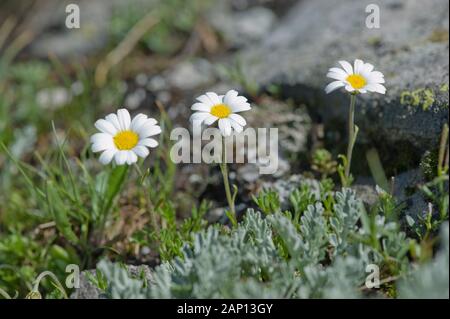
<point x="58" y="284"/>
<point x="4" y="294"/>
<point x="226" y="183"/>
<point x="149" y="203"/>
<point x="352" y="132"/>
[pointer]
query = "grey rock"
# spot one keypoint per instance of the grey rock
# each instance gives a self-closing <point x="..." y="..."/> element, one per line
<point x="410" y="48"/>
<point x="89" y="291"/>
<point x="242" y="28"/>
<point x="157" y="83"/>
<point x="135" y="98"/>
<point x="65" y="43"/>
<point x="406" y="190"/>
<point x="367" y="193"/>
<point x="190" y="75"/>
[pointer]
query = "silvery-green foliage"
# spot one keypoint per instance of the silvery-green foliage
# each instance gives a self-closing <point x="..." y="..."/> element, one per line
<point x="322" y="255"/>
<point x="347" y="212"/>
<point x="385" y="239"/>
<point x="218" y="265"/>
<point x="431" y="280"/>
<point x="309" y="245"/>
<point x="341" y="279"/>
<point x="120" y="283"/>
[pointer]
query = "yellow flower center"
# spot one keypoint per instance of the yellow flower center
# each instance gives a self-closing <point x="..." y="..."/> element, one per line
<point x="126" y="140"/>
<point x="221" y="110"/>
<point x="356" y="81"/>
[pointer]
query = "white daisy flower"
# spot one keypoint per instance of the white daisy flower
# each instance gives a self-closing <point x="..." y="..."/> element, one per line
<point x="212" y="107"/>
<point x="359" y="79"/>
<point x="123" y="139"/>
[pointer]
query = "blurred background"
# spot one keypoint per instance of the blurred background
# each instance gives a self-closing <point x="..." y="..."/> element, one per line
<point x="156" y="56"/>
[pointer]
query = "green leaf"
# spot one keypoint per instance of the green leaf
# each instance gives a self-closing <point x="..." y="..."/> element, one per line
<point x="113" y="186"/>
<point x="59" y="212"/>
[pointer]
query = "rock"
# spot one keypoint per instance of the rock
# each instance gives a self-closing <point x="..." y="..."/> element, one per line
<point x="157" y="83"/>
<point x="242" y="28"/>
<point x="190" y="75"/>
<point x="65" y="43"/>
<point x="410" y="48"/>
<point x="405" y="189"/>
<point x="367" y="194"/>
<point x="135" y="99"/>
<point x="89" y="291"/>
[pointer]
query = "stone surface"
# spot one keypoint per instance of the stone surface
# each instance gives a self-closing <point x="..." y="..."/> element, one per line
<point x="407" y="193"/>
<point x="191" y="74"/>
<point x="410" y="48"/>
<point x="88" y="291"/>
<point x="242" y="28"/>
<point x="57" y="39"/>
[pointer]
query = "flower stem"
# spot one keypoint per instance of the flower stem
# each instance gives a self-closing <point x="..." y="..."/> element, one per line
<point x="226" y="183"/>
<point x="148" y="200"/>
<point x="352" y="133"/>
<point x="58" y="284"/>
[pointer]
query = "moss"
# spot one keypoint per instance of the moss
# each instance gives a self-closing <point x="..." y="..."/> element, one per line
<point x="428" y="164"/>
<point x="423" y="98"/>
<point x="439" y="35"/>
<point x="374" y="41"/>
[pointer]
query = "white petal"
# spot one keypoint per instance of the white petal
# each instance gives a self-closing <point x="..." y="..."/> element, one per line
<point x="236" y="126"/>
<point x="114" y="120"/>
<point x="225" y="127"/>
<point x="215" y="99"/>
<point x="349" y="88"/>
<point x="124" y="119"/>
<point x="359" y="64"/>
<point x="377" y="74"/>
<point x="149" y="142"/>
<point x="201" y="107"/>
<point x="375" y="87"/>
<point x="338" y="71"/>
<point x="121" y="157"/>
<point x="101" y="138"/>
<point x="367" y="68"/>
<point x="105" y="127"/>
<point x="107" y="156"/>
<point x="375" y="79"/>
<point x="141" y="151"/>
<point x="238" y="119"/>
<point x="210" y="119"/>
<point x="138" y="121"/>
<point x="98" y="147"/>
<point x="230" y="97"/>
<point x="205" y="100"/>
<point x="337" y="76"/>
<point x="347" y="67"/>
<point x="239" y="105"/>
<point x="333" y="86"/>
<point x="199" y="117"/>
<point x="131" y="157"/>
<point x="148" y="129"/>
